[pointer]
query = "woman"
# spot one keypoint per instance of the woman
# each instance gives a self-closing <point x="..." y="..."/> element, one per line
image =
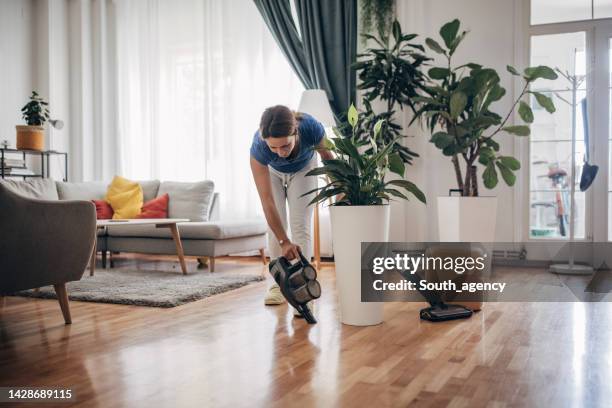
<point x="282" y="152"/>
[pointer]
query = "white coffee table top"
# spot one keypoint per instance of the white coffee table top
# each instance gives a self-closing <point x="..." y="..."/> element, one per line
<point x="140" y="221"/>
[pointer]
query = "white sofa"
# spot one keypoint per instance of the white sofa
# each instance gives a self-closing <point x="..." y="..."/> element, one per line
<point x="205" y="236"/>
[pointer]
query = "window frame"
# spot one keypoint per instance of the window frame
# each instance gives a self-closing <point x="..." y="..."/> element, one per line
<point x="597" y="33"/>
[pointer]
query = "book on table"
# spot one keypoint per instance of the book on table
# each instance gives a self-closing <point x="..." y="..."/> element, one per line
<point x="18" y="171"/>
<point x="10" y="163"/>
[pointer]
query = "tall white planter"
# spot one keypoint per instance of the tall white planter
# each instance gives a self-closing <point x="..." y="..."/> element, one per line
<point x="352" y="225"/>
<point x="467" y="219"/>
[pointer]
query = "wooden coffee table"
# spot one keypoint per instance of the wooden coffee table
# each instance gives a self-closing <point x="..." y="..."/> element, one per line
<point x="158" y="222"/>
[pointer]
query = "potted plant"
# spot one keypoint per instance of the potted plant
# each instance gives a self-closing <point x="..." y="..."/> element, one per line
<point x="390" y="72"/>
<point x="32" y="135"/>
<point x="458" y="107"/>
<point x="361" y="211"/>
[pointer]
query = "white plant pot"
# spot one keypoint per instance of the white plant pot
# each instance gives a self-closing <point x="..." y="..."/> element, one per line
<point x="467" y="219"/>
<point x="352" y="225"/>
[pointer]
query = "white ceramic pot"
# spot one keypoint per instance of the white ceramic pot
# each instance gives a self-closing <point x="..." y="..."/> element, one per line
<point x="352" y="225"/>
<point x="467" y="219"/>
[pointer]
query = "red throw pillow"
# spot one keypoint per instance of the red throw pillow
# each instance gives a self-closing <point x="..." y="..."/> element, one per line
<point x="155" y="208"/>
<point x="104" y="211"/>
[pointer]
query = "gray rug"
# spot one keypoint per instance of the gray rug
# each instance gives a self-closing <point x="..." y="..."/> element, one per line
<point x="148" y="288"/>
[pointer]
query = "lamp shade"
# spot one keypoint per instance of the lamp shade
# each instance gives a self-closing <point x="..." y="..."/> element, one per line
<point x="314" y="102"/>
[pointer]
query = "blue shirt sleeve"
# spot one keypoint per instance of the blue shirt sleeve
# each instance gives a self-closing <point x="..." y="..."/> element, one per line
<point x="311" y="130"/>
<point x="258" y="147"/>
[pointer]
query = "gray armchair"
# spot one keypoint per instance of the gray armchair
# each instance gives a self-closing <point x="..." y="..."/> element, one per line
<point x="44" y="243"/>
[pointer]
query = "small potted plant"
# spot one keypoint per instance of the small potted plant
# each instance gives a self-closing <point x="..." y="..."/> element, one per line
<point x="458" y="108"/>
<point x="358" y="177"/>
<point x="32" y="135"/>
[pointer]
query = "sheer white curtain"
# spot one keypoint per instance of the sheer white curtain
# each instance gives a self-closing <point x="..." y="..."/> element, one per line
<point x="193" y="79"/>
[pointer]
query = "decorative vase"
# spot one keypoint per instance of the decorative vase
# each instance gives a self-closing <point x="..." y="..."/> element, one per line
<point x="30" y="137"/>
<point x="352" y="225"/>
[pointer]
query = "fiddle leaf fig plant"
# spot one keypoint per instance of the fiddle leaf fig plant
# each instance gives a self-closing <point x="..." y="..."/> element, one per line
<point x="35" y="112"/>
<point x="357" y="175"/>
<point x="458" y="106"/>
<point x="389" y="71"/>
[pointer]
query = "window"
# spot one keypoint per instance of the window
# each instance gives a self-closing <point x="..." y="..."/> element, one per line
<point x="574" y="36"/>
<point x="552" y="143"/>
<point x="557" y="11"/>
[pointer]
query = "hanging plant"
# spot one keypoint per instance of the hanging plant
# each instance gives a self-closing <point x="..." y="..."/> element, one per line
<point x="377" y="14"/>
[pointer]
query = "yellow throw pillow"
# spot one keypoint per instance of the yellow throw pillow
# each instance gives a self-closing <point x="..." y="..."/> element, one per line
<point x="125" y="197"/>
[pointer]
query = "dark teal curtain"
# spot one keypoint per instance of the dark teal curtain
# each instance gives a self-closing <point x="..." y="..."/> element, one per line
<point x="324" y="49"/>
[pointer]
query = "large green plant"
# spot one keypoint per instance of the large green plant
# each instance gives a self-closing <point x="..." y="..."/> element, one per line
<point x="35" y="112"/>
<point x="459" y="103"/>
<point x="357" y="175"/>
<point x="390" y="71"/>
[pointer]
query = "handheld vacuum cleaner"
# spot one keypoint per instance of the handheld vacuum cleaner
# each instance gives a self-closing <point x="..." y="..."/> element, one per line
<point x="298" y="283"/>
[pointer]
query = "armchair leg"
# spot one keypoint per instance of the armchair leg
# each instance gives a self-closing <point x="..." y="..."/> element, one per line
<point x="103" y="259"/>
<point x="62" y="297"/>
<point x="262" y="253"/>
<point x="211" y="262"/>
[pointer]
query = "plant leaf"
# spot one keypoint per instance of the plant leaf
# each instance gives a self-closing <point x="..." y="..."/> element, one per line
<point x="507" y="174"/>
<point x="458" y="102"/>
<point x="449" y="31"/>
<point x="441" y="139"/>
<point x="520" y="130"/>
<point x="396" y="164"/>
<point x="396" y="193"/>
<point x="512" y="70"/>
<point x="397" y="31"/>
<point x="410" y="187"/>
<point x="525" y="112"/>
<point x="545" y="102"/>
<point x="352" y="116"/>
<point x="438" y="73"/>
<point x="433" y="44"/>
<point x="510" y="162"/>
<point x="489" y="176"/>
<point x="377" y="127"/>
<point x="541" y="71"/>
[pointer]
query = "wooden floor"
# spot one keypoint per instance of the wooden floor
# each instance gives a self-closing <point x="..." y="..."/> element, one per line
<point x="232" y="351"/>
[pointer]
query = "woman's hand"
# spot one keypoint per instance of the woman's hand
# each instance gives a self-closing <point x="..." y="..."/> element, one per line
<point x="290" y="250"/>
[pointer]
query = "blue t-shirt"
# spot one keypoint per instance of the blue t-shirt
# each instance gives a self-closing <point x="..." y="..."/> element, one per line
<point x="310" y="132"/>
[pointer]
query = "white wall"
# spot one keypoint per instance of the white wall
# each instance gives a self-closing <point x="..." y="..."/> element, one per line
<point x="17" y="63"/>
<point x="491" y="42"/>
<point x="34" y="56"/>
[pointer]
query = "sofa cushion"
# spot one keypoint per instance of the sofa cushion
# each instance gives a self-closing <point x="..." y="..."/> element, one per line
<point x="188" y="200"/>
<point x="38" y="188"/>
<point x="194" y="230"/>
<point x="149" y="189"/>
<point x="125" y="197"/>
<point x="96" y="190"/>
<point x="155" y="208"/>
<point x="90" y="190"/>
<point x="103" y="210"/>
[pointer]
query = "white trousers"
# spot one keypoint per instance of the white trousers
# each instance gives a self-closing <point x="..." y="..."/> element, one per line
<point x="287" y="190"/>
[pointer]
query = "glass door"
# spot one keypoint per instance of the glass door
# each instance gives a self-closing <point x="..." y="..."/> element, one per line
<point x="557" y="142"/>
